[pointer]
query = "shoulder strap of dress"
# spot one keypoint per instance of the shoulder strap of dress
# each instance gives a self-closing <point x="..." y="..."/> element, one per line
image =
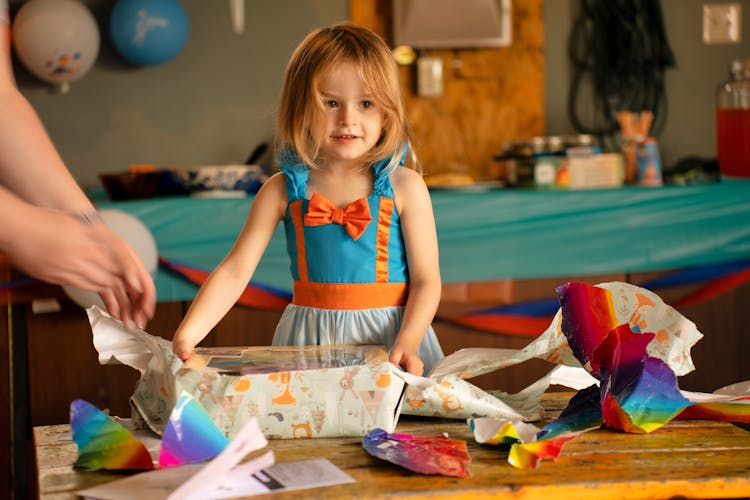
<point x="382" y="181"/>
<point x="296" y="174"/>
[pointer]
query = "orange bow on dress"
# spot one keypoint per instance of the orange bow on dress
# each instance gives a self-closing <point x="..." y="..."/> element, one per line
<point x="354" y="217"/>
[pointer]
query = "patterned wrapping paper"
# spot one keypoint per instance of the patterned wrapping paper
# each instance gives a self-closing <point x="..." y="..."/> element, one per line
<point x="446" y="391"/>
<point x="294" y="392"/>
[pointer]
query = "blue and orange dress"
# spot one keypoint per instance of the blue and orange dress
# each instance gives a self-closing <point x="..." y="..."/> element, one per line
<point x="349" y="268"/>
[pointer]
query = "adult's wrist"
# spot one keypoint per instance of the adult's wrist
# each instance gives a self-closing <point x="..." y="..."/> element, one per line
<point x="90" y="217"/>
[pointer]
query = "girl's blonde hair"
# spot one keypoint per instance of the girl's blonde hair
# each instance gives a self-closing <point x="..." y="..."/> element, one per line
<point x="301" y="104"/>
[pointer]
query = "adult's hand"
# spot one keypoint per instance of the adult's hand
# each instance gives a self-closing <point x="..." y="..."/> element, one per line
<point x="135" y="300"/>
<point x="59" y="248"/>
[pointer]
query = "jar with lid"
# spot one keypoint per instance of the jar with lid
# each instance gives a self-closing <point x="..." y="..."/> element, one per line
<point x="733" y="121"/>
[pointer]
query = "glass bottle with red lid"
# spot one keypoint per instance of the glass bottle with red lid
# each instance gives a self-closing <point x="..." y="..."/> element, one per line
<point x="733" y="121"/>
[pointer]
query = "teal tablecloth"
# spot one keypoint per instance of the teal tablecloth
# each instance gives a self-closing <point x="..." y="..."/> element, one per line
<point x="496" y="234"/>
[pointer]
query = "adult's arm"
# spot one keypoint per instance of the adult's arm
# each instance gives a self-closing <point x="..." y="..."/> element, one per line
<point x="40" y="208"/>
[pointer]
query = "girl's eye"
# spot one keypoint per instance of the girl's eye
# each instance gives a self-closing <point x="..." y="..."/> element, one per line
<point x="367" y="104"/>
<point x="330" y="103"/>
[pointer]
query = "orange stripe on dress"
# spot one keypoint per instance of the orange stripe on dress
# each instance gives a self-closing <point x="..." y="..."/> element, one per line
<point x="295" y="208"/>
<point x="383" y="237"/>
<point x="349" y="296"/>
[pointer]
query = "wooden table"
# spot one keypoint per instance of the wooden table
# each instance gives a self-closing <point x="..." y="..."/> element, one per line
<point x="686" y="458"/>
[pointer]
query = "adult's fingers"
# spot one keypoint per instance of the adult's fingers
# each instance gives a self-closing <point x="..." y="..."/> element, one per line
<point x="146" y="302"/>
<point x="139" y="286"/>
<point x="110" y="302"/>
<point x="126" y="308"/>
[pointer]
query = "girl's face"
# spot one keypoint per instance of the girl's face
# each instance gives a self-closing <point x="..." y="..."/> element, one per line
<point x="352" y="120"/>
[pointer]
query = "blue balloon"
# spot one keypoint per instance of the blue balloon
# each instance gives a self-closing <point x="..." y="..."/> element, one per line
<point x="148" y="32"/>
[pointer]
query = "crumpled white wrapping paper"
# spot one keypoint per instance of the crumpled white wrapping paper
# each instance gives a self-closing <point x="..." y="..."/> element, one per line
<point x="446" y="392"/>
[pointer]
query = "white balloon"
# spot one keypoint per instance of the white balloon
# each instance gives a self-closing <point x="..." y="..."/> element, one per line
<point x="137" y="234"/>
<point x="56" y="40"/>
<point x="84" y="298"/>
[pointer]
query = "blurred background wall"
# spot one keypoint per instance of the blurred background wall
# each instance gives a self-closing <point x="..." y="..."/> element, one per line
<point x="211" y="104"/>
<point x="216" y="100"/>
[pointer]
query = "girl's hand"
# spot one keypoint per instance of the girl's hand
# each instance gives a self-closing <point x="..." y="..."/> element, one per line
<point x="408" y="360"/>
<point x="182" y="348"/>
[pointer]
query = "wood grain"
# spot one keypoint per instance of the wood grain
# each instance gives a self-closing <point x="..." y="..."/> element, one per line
<point x="700" y="459"/>
<point x="492" y="97"/>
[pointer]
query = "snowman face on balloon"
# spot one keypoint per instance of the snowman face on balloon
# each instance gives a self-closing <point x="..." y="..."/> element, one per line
<point x="56" y="40"/>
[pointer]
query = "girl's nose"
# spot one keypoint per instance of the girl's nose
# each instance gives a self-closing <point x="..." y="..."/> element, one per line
<point x="348" y="115"/>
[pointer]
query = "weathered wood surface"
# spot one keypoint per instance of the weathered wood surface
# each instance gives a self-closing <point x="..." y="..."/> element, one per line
<point x="689" y="458"/>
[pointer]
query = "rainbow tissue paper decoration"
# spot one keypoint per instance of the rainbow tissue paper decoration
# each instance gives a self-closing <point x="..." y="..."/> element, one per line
<point x="637" y="392"/>
<point x="103" y="443"/>
<point x="530" y="445"/>
<point x="422" y="454"/>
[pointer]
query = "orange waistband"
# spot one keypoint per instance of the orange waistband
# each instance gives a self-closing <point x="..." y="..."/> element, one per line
<point x="349" y="295"/>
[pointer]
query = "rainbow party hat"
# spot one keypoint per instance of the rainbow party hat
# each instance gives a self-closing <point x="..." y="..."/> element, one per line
<point x="104" y="443"/>
<point x="190" y="435"/>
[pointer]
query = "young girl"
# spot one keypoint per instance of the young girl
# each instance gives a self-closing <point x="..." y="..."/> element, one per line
<point x="359" y="226"/>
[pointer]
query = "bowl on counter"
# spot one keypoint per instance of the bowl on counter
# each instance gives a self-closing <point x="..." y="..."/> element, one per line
<point x="141" y="184"/>
<point x="199" y="181"/>
<point x="222" y="180"/>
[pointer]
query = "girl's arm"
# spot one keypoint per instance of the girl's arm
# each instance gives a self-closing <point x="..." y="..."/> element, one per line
<point x="418" y="227"/>
<point x="227" y="282"/>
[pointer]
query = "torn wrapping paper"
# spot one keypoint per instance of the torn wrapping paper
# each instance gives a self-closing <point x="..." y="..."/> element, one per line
<point x="312" y="396"/>
<point x="294" y="392"/>
<point x="423" y="454"/>
<point x="446" y="392"/>
<point x="526" y="450"/>
<point x="528" y="444"/>
<point x="637" y="391"/>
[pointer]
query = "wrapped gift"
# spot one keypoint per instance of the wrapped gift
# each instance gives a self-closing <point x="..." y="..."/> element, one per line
<point x="294" y="392"/>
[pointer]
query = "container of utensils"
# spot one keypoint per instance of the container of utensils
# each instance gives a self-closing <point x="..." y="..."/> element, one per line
<point x="641" y="152"/>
